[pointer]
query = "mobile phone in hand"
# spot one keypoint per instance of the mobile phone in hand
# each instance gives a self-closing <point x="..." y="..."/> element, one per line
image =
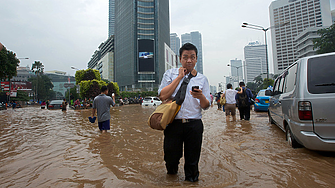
<point x="197" y="87"/>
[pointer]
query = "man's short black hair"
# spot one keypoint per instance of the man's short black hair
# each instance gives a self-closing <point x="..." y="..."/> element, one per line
<point x="188" y="46"/>
<point x="242" y="84"/>
<point x="103" y="88"/>
<point x="229" y="86"/>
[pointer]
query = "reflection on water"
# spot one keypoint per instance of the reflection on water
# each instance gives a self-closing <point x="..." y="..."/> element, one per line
<point x="51" y="148"/>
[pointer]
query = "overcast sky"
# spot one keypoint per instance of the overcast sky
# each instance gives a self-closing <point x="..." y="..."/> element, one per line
<point x="62" y="33"/>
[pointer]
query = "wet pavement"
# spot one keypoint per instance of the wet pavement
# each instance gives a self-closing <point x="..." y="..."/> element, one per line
<point x="51" y="148"/>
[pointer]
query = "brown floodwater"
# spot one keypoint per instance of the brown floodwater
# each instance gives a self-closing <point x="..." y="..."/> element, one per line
<point x="51" y="148"/>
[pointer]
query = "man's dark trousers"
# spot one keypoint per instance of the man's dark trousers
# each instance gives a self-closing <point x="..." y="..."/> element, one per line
<point x="244" y="112"/>
<point x="175" y="135"/>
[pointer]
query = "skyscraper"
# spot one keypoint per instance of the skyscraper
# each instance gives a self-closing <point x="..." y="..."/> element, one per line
<point x="300" y="14"/>
<point x="236" y="71"/>
<point x="195" y="38"/>
<point x="174" y="43"/>
<point x="111" y="18"/>
<point x="255" y="60"/>
<point x="139" y="47"/>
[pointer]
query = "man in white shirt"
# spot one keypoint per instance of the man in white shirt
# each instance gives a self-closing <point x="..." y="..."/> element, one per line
<point x="187" y="128"/>
<point x="230" y="106"/>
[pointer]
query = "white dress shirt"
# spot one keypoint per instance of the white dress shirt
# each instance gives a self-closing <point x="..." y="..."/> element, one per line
<point x="230" y="96"/>
<point x="190" y="109"/>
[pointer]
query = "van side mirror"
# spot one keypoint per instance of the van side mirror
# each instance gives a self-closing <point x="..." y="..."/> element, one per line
<point x="268" y="93"/>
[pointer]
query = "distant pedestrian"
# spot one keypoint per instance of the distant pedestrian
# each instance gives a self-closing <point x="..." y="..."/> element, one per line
<point x="212" y="97"/>
<point x="13" y="104"/>
<point x="102" y="104"/>
<point x="217" y="99"/>
<point x="64" y="104"/>
<point x="244" y="101"/>
<point x="43" y="105"/>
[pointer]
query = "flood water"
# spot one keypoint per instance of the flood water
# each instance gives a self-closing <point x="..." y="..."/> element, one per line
<point x="51" y="148"/>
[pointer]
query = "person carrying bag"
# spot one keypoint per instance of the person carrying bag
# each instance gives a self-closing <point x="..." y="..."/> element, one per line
<point x="166" y="112"/>
<point x="183" y="136"/>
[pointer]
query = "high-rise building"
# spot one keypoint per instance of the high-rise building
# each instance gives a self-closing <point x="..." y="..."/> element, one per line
<point x="196" y="39"/>
<point x="175" y="46"/>
<point x="299" y="14"/>
<point x="111" y="18"/>
<point x="141" y="29"/>
<point x="255" y="61"/>
<point x="174" y="43"/>
<point x="236" y="71"/>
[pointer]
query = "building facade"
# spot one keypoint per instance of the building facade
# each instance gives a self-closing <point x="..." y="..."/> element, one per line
<point x="58" y="79"/>
<point x="255" y="61"/>
<point x="300" y="15"/>
<point x="304" y="42"/>
<point x="171" y="59"/>
<point x="196" y="39"/>
<point x="141" y="29"/>
<point x="103" y="59"/>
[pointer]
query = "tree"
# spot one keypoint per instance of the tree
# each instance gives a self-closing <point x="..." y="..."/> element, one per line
<point x="88" y="74"/>
<point x="21" y="96"/>
<point x="73" y="92"/>
<point x="91" y="88"/>
<point x="252" y="86"/>
<point x="267" y="82"/>
<point x="326" y="42"/>
<point x="37" y="68"/>
<point x="8" y="62"/>
<point x="43" y="87"/>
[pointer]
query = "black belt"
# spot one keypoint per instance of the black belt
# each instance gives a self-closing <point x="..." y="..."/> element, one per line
<point x="185" y="120"/>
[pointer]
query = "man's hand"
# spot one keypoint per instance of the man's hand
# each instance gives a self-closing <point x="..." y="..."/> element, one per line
<point x="182" y="72"/>
<point x="197" y="93"/>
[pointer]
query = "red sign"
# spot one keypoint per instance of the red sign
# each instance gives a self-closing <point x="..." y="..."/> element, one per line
<point x="16" y="85"/>
<point x="5" y="86"/>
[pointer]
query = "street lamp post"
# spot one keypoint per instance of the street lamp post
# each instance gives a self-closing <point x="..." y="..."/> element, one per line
<point x="237" y="67"/>
<point x="257" y="27"/>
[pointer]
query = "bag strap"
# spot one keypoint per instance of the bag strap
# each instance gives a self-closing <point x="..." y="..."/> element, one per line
<point x="181" y="93"/>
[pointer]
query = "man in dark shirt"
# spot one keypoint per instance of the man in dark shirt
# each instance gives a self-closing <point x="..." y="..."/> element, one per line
<point x="243" y="101"/>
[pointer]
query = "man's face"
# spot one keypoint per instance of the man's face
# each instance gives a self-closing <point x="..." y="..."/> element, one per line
<point x="188" y="59"/>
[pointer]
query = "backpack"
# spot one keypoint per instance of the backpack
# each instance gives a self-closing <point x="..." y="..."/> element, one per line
<point x="243" y="99"/>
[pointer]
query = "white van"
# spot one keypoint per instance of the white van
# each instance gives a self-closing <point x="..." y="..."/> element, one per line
<point x="302" y="102"/>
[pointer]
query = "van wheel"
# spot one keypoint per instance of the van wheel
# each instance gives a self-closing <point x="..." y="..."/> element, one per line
<point x="290" y="138"/>
<point x="270" y="118"/>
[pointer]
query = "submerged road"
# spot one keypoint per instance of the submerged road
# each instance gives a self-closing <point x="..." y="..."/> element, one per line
<point x="51" y="148"/>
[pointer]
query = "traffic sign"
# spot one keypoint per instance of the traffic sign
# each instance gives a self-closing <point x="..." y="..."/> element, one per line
<point x="70" y="85"/>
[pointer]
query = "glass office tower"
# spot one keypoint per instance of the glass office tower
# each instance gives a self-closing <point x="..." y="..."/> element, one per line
<point x="139" y="47"/>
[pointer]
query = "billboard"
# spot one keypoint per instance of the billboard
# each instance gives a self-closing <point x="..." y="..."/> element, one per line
<point x="146" y="60"/>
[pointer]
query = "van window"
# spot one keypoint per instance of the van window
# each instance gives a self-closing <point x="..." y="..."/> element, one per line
<point x="291" y="78"/>
<point x="276" y="86"/>
<point x="282" y="82"/>
<point x="320" y="74"/>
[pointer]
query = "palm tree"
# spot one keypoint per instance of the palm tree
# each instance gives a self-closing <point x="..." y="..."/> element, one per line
<point x="38" y="69"/>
